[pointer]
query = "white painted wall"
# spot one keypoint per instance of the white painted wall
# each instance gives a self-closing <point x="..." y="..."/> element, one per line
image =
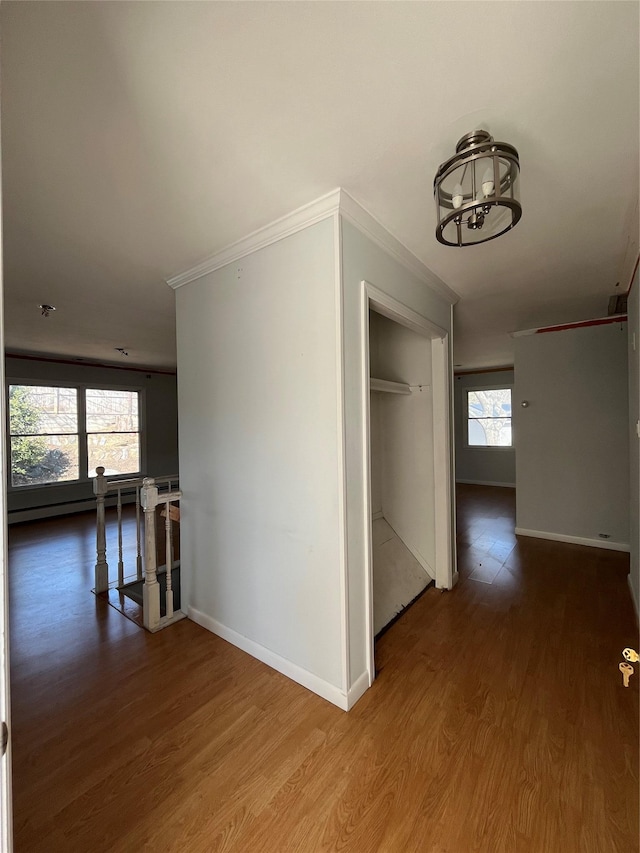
<point x="478" y="464"/>
<point x="633" y="309"/>
<point x="259" y="456"/>
<point x="273" y="400"/>
<point x="572" y="463"/>
<point x="364" y="259"/>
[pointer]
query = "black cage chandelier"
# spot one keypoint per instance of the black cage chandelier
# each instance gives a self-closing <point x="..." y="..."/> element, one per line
<point x="476" y="191"/>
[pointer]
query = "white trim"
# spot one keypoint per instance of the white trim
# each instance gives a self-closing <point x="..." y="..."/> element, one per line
<point x="383" y="303"/>
<point x="336" y="201"/>
<point x="487" y="483"/>
<point x="453" y="509"/>
<point x="358" y="689"/>
<point x="376" y="516"/>
<point x="166" y="621"/>
<point x="372" y="228"/>
<point x="342" y="468"/>
<point x="296" y="673"/>
<point x="309" y="214"/>
<point x="365" y="368"/>
<point x="633" y="601"/>
<point x="442" y="463"/>
<point x="393" y="309"/>
<point x="574" y="540"/>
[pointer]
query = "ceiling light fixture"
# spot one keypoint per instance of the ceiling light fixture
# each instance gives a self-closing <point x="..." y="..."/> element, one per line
<point x="45" y="309"/>
<point x="476" y="191"/>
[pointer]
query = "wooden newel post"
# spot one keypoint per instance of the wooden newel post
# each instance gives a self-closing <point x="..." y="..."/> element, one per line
<point x="151" y="588"/>
<point x="100" y="486"/>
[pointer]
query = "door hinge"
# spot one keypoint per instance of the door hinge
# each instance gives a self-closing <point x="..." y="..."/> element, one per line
<point x="5" y="737"/>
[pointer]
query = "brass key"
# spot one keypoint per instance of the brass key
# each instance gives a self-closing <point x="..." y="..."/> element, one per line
<point x="627" y="670"/>
<point x="631" y="655"/>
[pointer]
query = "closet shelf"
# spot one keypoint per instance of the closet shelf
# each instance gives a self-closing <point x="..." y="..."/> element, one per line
<point x="388" y="386"/>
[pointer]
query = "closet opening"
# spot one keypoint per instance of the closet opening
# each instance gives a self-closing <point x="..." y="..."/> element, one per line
<point x="408" y="462"/>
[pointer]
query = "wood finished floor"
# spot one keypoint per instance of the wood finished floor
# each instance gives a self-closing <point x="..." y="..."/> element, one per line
<point x="498" y="722"/>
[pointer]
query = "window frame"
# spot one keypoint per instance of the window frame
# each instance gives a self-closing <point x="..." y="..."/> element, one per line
<point x="83" y="446"/>
<point x="491" y="447"/>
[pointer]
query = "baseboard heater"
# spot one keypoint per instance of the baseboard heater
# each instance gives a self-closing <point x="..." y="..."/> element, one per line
<point x="35" y="513"/>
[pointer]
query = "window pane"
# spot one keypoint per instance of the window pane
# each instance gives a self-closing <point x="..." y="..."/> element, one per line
<point x="118" y="453"/>
<point x="111" y="411"/>
<point x="44" y="459"/>
<point x="493" y="403"/>
<point x="490" y="432"/>
<point x="38" y="409"/>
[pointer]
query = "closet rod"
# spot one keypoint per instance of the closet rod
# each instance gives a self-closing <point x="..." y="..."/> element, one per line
<point x="388" y="386"/>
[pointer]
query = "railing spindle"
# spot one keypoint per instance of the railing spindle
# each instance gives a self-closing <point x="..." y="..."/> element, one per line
<point x="168" y="560"/>
<point x="120" y="560"/>
<point x="138" y="544"/>
<point x="100" y="487"/>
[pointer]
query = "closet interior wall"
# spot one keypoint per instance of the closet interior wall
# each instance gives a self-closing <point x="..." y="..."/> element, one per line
<point x="402" y="476"/>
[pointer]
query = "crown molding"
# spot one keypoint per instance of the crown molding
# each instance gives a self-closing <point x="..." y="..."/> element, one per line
<point x="303" y="217"/>
<point x="337" y="201"/>
<point x="372" y="228"/>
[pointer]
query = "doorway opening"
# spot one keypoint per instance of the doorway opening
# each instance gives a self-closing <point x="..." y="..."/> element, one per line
<point x="408" y="506"/>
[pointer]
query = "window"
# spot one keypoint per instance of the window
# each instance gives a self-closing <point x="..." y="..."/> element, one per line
<point x="61" y="434"/>
<point x="489" y="417"/>
<point x="43" y="423"/>
<point x="113" y="439"/>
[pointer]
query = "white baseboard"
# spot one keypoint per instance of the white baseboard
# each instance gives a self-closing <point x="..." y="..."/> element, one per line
<point x="573" y="540"/>
<point x="358" y="689"/>
<point x="296" y="673"/>
<point x="634" y="601"/>
<point x="487" y="483"/>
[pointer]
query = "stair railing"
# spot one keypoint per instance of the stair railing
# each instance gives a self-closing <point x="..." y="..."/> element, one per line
<point x="102" y="486"/>
<point x="150" y="499"/>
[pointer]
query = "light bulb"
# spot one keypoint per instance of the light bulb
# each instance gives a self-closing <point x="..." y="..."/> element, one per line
<point x="487" y="182"/>
<point x="457" y="196"/>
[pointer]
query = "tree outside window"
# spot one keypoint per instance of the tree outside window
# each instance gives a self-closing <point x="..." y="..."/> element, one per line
<point x="62" y="434"/>
<point x="489" y="417"/>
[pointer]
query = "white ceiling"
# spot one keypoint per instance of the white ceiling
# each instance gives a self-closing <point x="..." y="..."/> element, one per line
<point x="140" y="138"/>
